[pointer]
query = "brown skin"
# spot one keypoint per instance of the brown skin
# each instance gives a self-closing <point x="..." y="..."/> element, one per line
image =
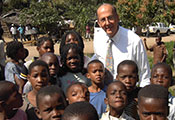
<point x="108" y="19"/>
<point x="39" y="77"/>
<point x="152" y="109"/>
<point x="128" y="76"/>
<point x="96" y="73"/>
<point x="71" y="38"/>
<point x="51" y="107"/>
<point x="161" y="76"/>
<point x="77" y="93"/>
<point x="116" y="98"/>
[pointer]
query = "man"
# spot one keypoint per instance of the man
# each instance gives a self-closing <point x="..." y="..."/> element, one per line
<point x="126" y="45"/>
<point x="14" y="32"/>
<point x="21" y="33"/>
<point x="159" y="50"/>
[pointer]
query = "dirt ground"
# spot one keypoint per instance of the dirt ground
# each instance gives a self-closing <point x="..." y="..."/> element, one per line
<point x="88" y="45"/>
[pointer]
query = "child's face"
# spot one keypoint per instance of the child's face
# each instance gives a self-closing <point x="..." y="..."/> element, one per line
<point x="21" y="53"/>
<point x="96" y="73"/>
<point x="47" y="46"/>
<point x="116" y="96"/>
<point x="53" y="64"/>
<point x="15" y="99"/>
<point x="51" y="107"/>
<point x="77" y="93"/>
<point x="152" y="109"/>
<point x="39" y="77"/>
<point x="128" y="76"/>
<point x="71" y="38"/>
<point x="73" y="60"/>
<point x="161" y="76"/>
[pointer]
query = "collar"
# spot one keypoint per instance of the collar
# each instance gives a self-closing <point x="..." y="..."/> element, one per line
<point x="116" y="37"/>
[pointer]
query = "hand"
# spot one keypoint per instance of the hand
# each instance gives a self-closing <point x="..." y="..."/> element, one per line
<point x="144" y="39"/>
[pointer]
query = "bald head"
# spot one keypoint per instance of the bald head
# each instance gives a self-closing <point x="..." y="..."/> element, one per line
<point x="108" y="19"/>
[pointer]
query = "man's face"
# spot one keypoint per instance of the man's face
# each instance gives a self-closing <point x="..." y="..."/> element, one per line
<point x="152" y="109"/>
<point x="108" y="19"/>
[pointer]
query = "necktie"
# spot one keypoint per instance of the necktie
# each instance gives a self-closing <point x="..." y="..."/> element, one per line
<point x="109" y="57"/>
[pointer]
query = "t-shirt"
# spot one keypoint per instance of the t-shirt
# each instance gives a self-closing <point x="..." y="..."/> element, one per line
<point x="20" y="115"/>
<point x="97" y="100"/>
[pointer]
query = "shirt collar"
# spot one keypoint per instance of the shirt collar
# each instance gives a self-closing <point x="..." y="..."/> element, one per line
<point x="117" y="35"/>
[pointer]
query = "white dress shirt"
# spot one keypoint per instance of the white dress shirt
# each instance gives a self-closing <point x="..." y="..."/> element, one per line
<point x="126" y="46"/>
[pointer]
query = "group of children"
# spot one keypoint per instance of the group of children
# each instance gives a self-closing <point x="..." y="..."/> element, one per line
<point x="70" y="87"/>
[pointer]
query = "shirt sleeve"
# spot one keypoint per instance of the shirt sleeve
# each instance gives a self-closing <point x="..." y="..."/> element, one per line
<point x="143" y="65"/>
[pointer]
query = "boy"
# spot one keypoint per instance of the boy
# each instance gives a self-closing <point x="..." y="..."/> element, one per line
<point x="10" y="101"/>
<point x="97" y="90"/>
<point x="153" y="103"/>
<point x="128" y="74"/>
<point x="50" y="102"/>
<point x="116" y="98"/>
<point x="77" y="92"/>
<point x="159" y="50"/>
<point x="80" y="111"/>
<point x="161" y="74"/>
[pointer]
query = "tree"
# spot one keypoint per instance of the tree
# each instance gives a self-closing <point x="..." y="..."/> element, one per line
<point x="42" y="15"/>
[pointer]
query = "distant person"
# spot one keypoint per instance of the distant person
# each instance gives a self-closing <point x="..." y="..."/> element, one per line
<point x="13" y="30"/>
<point x="147" y="31"/>
<point x="21" y="33"/>
<point x="116" y="44"/>
<point x="159" y="50"/>
<point x="88" y="31"/>
<point x="80" y="111"/>
<point x="153" y="103"/>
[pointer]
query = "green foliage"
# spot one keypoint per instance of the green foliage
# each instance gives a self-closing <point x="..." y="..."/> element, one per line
<point x="40" y="14"/>
<point x="150" y="60"/>
<point x="169" y="47"/>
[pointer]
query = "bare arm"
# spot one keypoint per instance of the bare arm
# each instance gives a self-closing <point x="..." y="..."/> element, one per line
<point x="145" y="44"/>
<point x="20" y="83"/>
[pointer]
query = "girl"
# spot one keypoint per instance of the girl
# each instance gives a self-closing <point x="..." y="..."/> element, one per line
<point x="72" y="60"/>
<point x="73" y="37"/>
<point x="38" y="77"/>
<point x="13" y="69"/>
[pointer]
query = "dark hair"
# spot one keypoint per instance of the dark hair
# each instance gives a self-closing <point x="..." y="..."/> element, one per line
<point x="114" y="82"/>
<point x="37" y="63"/>
<point x="94" y="61"/>
<point x="50" y="90"/>
<point x="162" y="65"/>
<point x="12" y="49"/>
<point x="80" y="109"/>
<point x="76" y="83"/>
<point x="128" y="62"/>
<point x="78" y="37"/>
<point x="153" y="91"/>
<point x="6" y="89"/>
<point x="41" y="40"/>
<point x="64" y="53"/>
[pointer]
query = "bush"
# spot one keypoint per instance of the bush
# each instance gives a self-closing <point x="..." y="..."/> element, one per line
<point x="169" y="59"/>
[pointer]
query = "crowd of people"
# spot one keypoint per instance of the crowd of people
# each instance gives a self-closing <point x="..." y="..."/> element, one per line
<point x="115" y="84"/>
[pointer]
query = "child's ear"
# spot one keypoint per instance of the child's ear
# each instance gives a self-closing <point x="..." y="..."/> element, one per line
<point x="117" y="77"/>
<point x="106" y="101"/>
<point x="88" y="76"/>
<point x="28" y="77"/>
<point x="37" y="112"/>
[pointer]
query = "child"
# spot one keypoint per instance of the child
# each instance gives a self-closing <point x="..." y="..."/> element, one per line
<point x="72" y="65"/>
<point x="116" y="99"/>
<point x="161" y="74"/>
<point x="127" y="73"/>
<point x="159" y="50"/>
<point x="44" y="44"/>
<point x="10" y="101"/>
<point x="54" y="68"/>
<point x="97" y="90"/>
<point x="153" y="103"/>
<point x="77" y="92"/>
<point x="15" y="51"/>
<point x="74" y="37"/>
<point x="80" y="111"/>
<point x="38" y="77"/>
<point x="50" y="102"/>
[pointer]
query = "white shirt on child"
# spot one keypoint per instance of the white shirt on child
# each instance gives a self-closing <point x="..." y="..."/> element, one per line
<point x="124" y="116"/>
<point x="171" y="105"/>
